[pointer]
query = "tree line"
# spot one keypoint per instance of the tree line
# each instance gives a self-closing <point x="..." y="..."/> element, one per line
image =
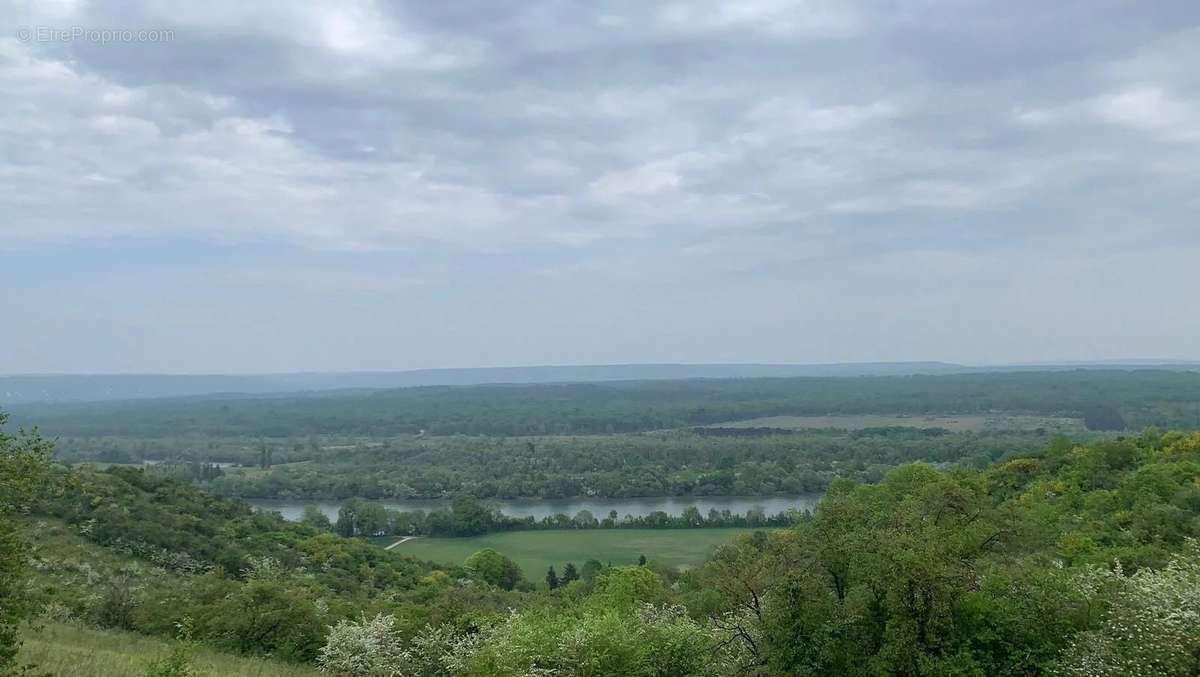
<point x="467" y="516"/>
<point x="678" y="463"/>
<point x="1165" y="398"/>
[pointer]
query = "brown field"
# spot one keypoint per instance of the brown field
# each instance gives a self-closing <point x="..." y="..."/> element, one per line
<point x="964" y="423"/>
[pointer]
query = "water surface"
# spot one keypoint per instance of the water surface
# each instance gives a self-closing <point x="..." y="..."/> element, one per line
<point x="599" y="507"/>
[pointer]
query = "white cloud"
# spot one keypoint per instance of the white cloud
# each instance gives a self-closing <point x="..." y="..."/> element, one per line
<point x="647" y="179"/>
<point x="783" y="18"/>
<point x="1152" y="109"/>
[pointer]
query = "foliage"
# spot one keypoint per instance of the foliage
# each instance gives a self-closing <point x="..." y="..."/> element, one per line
<point x="1103" y="417"/>
<point x="1161" y="397"/>
<point x="366" y="648"/>
<point x="180" y="528"/>
<point x="23" y="462"/>
<point x="313" y="517"/>
<point x="252" y="584"/>
<point x="594" y="639"/>
<point x="496" y="569"/>
<point x="626" y="587"/>
<point x="554" y="441"/>
<point x="1151" y="627"/>
<point x="265" y="618"/>
<point x="1006" y="570"/>
<point x="469" y="517"/>
<point x="678" y="463"/>
<point x="970" y="573"/>
<point x="180" y="661"/>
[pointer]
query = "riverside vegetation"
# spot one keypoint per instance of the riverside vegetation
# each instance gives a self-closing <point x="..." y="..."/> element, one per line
<point x="615" y="440"/>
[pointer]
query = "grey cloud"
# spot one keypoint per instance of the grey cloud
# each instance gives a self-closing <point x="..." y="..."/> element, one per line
<point x="672" y="145"/>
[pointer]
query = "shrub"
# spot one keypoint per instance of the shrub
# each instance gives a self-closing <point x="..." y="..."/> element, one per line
<point x="1152" y="626"/>
<point x="366" y="648"/>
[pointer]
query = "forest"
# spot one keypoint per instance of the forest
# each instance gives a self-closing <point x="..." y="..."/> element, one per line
<point x="613" y="440"/>
<point x="1159" y="397"/>
<point x="1070" y="559"/>
<point x="678" y="463"/>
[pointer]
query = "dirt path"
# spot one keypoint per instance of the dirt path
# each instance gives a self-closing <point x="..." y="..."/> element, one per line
<point x="401" y="542"/>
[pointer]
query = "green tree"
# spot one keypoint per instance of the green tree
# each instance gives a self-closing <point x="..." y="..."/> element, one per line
<point x="584" y="519"/>
<point x="24" y="462"/>
<point x="603" y="635"/>
<point x="491" y="567"/>
<point x="470" y="517"/>
<point x="266" y="618"/>
<point x="570" y="573"/>
<point x="1103" y="417"/>
<point x="314" y="518"/>
<point x="591" y="569"/>
<point x="627" y="587"/>
<point x="372" y="519"/>
<point x="552" y="578"/>
<point x="347" y="521"/>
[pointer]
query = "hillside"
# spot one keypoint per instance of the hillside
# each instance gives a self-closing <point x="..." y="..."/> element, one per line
<point x="1031" y="566"/>
<point x="74" y="650"/>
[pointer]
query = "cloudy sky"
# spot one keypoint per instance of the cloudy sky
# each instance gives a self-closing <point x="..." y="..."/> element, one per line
<point x="358" y="185"/>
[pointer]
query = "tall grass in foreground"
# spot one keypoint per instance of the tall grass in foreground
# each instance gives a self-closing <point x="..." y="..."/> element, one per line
<point x="72" y="651"/>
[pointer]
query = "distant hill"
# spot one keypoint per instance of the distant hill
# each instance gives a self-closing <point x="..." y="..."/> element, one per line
<point x="103" y="387"/>
<point x="59" y="388"/>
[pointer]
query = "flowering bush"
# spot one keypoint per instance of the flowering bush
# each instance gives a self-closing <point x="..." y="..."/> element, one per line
<point x="1152" y="626"/>
<point x="369" y="648"/>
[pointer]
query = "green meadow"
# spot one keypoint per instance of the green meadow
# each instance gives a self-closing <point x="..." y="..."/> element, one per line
<point x="536" y="551"/>
<point x="66" y="650"/>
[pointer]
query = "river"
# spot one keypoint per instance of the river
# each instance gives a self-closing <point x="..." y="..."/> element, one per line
<point x="600" y="507"/>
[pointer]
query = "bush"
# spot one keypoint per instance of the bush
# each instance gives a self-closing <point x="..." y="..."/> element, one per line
<point x="266" y="618"/>
<point x="592" y="639"/>
<point x="366" y="648"/>
<point x="1152" y="626"/>
<point x="176" y="664"/>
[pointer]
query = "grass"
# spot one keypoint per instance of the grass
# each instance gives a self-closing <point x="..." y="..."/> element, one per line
<point x="73" y="651"/>
<point x="536" y="551"/>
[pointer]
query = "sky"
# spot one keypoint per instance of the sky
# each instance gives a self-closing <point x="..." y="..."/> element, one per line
<point x="226" y="186"/>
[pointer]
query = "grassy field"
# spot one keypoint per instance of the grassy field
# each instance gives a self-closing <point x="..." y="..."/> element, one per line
<point x="965" y="423"/>
<point x="536" y="551"/>
<point x="70" y="651"/>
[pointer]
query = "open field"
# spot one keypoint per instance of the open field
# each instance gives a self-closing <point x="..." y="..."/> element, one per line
<point x="70" y="651"/>
<point x="536" y="551"/>
<point x="965" y="423"/>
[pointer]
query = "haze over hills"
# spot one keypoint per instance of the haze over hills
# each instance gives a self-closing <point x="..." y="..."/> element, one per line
<point x="97" y="387"/>
<point x="52" y="388"/>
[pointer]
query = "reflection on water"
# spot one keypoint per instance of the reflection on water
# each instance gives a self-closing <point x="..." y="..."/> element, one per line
<point x="599" y="507"/>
